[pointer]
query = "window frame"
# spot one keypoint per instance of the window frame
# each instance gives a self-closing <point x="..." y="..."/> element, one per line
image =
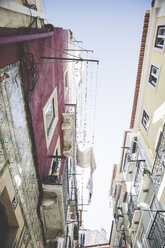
<point x="49" y="129"/>
<point x="159" y="48"/>
<point x="145" y="126"/>
<point x="49" y="125"/>
<point x="156" y="76"/>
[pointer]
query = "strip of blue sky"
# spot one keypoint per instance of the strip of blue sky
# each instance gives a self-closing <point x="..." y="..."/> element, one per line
<point x="113" y="30"/>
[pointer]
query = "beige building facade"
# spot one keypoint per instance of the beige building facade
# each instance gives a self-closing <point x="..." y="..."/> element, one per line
<point x="137" y="187"/>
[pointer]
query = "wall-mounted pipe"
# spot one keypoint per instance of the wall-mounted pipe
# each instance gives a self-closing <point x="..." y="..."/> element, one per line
<point x="4" y="40"/>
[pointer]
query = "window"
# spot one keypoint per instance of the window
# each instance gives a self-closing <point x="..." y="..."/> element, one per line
<point x="8" y="221"/>
<point x="50" y="115"/>
<point x="55" y="163"/>
<point x="66" y="79"/>
<point x="154" y="73"/>
<point x="66" y="83"/>
<point x="145" y="120"/>
<point x="4" y="226"/>
<point x="11" y="219"/>
<point x="160" y="37"/>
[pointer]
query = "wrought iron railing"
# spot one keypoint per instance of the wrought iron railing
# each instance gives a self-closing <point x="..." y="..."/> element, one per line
<point x="156" y="235"/>
<point x="131" y="207"/>
<point x="56" y="179"/>
<point x="72" y="109"/>
<point x="116" y="220"/>
<point x="126" y="160"/>
<point x="159" y="163"/>
<point x="119" y="214"/>
<point x="115" y="192"/>
<point x="141" y="166"/>
<point x="134" y="197"/>
<point x="122" y="242"/>
<point x="64" y="181"/>
<point x="68" y="242"/>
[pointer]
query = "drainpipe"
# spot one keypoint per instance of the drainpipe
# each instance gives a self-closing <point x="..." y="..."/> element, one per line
<point x="4" y="40"/>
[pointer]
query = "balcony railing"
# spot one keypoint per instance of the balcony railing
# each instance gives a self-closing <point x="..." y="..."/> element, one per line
<point x="115" y="192"/>
<point x="60" y="177"/>
<point x="64" y="181"/>
<point x="119" y="220"/>
<point x="69" y="129"/>
<point x="54" y="205"/>
<point x="156" y="235"/>
<point x="134" y="197"/>
<point x="131" y="207"/>
<point x="122" y="242"/>
<point x="126" y="160"/>
<point x="159" y="164"/>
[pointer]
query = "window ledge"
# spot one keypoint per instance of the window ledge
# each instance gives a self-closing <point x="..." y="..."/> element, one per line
<point x="159" y="50"/>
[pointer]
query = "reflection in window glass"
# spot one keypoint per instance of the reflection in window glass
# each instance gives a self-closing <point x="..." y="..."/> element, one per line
<point x="160" y="37"/>
<point x="154" y="72"/>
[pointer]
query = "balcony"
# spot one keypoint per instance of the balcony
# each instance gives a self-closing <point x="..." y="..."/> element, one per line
<point x="122" y="242"/>
<point x="72" y="210"/>
<point x="119" y="221"/>
<point x="136" y="219"/>
<point x="146" y="189"/>
<point x="158" y="171"/>
<point x="69" y="129"/>
<point x="119" y="218"/>
<point x="132" y="206"/>
<point x="55" y="205"/>
<point x="156" y="235"/>
<point x="129" y="171"/>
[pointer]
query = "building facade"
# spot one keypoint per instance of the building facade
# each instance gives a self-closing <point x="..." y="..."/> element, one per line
<point x="138" y="185"/>
<point x="38" y="196"/>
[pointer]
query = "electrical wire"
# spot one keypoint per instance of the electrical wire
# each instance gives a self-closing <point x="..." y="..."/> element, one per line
<point x="91" y="101"/>
<point x="85" y="107"/>
<point x="94" y="116"/>
<point x="76" y="46"/>
<point x="61" y="51"/>
<point x="74" y="40"/>
<point x="31" y="71"/>
<point x="54" y="62"/>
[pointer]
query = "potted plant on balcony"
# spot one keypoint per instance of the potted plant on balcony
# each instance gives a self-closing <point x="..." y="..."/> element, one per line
<point x="146" y="172"/>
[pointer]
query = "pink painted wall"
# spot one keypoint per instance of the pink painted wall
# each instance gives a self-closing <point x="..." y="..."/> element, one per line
<point x="50" y="76"/>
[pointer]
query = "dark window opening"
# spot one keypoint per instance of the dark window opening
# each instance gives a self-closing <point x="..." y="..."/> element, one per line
<point x="4" y="226"/>
<point x="145" y="120"/>
<point x="8" y="221"/>
<point x="160" y="37"/>
<point x="153" y="75"/>
<point x="66" y="79"/>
